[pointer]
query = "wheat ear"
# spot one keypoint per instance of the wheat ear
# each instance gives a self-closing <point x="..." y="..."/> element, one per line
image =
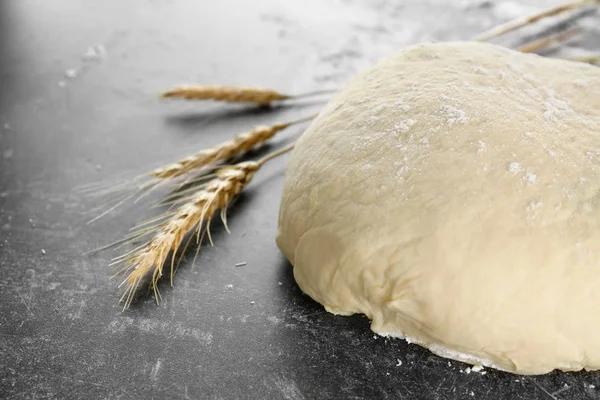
<point x="142" y="185"/>
<point x="224" y="151"/>
<point x="193" y="216"/>
<point x="549" y="41"/>
<point x="521" y="22"/>
<point x="234" y="94"/>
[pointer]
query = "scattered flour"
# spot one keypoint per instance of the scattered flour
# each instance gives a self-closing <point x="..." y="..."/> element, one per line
<point x="401" y="173"/>
<point x="404" y="126"/>
<point x="155" y="369"/>
<point x="477" y="368"/>
<point x="481" y="146"/>
<point x="401" y="106"/>
<point x="554" y="109"/>
<point x="379" y="108"/>
<point x="445" y="352"/>
<point x="534" y="205"/>
<point x="514" y="167"/>
<point x="479" y="70"/>
<point x="530" y="177"/>
<point x="454" y="115"/>
<point x="71" y="73"/>
<point x="94" y="53"/>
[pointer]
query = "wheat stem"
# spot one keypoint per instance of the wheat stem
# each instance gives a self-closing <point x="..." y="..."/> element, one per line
<point x="313" y="93"/>
<point x="594" y="59"/>
<point x="523" y="21"/>
<point x="549" y="41"/>
<point x="275" y="154"/>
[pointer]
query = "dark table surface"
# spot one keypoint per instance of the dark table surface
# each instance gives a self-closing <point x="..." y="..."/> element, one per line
<point x="67" y="119"/>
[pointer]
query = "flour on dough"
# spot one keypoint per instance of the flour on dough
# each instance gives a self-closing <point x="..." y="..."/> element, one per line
<point x="452" y="194"/>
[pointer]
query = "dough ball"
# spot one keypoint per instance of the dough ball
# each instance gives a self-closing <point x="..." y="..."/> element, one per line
<point x="452" y="194"/>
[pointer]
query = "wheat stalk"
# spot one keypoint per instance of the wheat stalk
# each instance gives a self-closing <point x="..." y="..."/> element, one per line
<point x="194" y="216"/>
<point x="238" y="145"/>
<point x="234" y="94"/>
<point x="523" y="21"/>
<point x="549" y="41"/>
<point x="593" y="59"/>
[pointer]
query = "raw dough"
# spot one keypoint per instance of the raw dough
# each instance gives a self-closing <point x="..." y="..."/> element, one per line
<point x="452" y="194"/>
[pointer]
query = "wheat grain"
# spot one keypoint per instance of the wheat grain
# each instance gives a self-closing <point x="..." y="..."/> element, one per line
<point x="226" y="150"/>
<point x="521" y="22"/>
<point x="193" y="216"/>
<point x="234" y="94"/>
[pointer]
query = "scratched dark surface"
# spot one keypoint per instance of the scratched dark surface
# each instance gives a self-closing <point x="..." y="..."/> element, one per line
<point x="68" y="120"/>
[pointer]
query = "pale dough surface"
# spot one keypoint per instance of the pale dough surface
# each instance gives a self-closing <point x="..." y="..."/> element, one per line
<point x="452" y="194"/>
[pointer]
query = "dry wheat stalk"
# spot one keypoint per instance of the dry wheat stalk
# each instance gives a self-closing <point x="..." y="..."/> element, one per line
<point x="549" y="41"/>
<point x="238" y="145"/>
<point x="521" y="22"/>
<point x="593" y="59"/>
<point x="234" y="94"/>
<point x="193" y="216"/>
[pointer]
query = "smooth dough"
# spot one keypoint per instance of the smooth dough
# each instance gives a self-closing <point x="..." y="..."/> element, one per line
<point x="452" y="194"/>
